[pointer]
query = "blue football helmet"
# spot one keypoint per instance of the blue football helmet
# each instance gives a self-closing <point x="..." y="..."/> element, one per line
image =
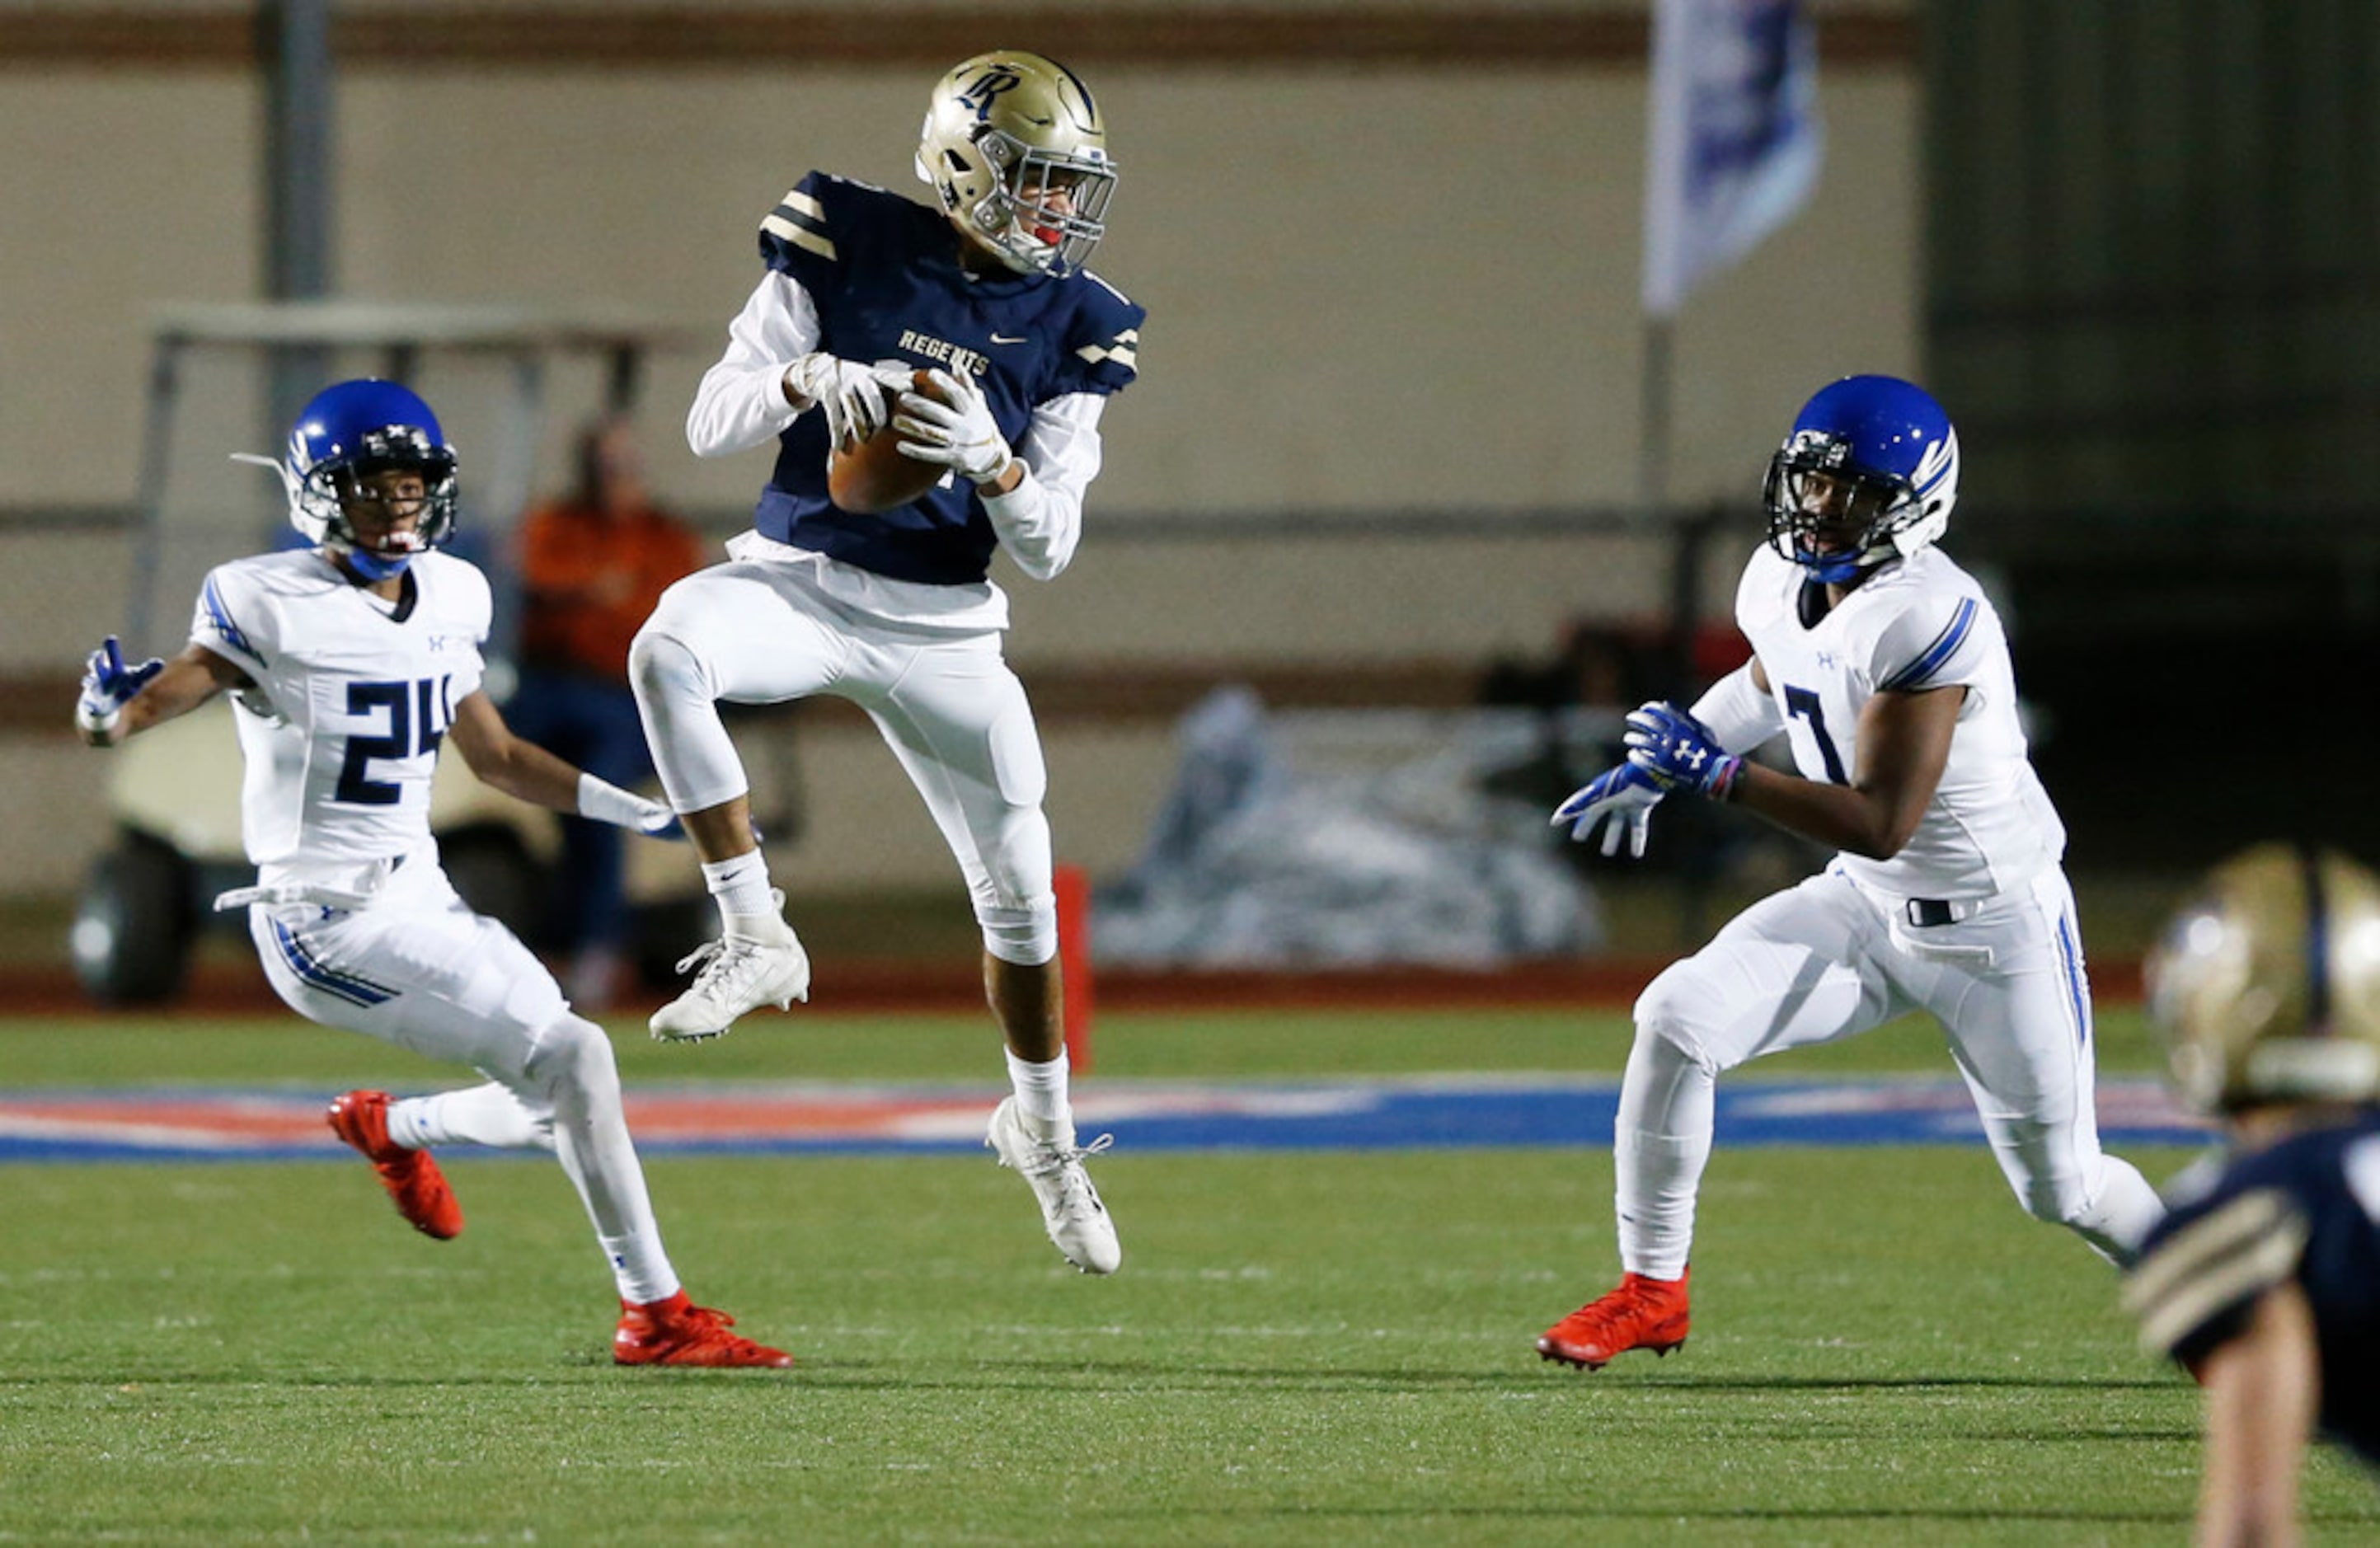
<point x="1890" y="461"/>
<point x="355" y="429"/>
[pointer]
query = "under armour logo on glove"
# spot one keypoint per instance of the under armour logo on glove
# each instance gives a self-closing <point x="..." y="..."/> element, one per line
<point x="1676" y="751"/>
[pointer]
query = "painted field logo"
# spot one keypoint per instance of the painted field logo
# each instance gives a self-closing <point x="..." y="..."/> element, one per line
<point x="1422" y="1113"/>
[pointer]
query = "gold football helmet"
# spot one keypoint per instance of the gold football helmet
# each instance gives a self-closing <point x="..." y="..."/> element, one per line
<point x="2265" y="986"/>
<point x="1014" y="147"/>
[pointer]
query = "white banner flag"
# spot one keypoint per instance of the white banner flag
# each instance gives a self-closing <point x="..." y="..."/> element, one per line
<point x="1735" y="136"/>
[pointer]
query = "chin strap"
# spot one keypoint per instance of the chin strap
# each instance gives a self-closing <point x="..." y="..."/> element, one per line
<point x="370" y="567"/>
<point x="1834" y="569"/>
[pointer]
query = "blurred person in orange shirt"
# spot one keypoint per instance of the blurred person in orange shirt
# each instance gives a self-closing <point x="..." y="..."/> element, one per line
<point x="593" y="564"/>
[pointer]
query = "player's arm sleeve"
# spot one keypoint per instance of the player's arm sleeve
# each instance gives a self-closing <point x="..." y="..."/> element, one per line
<point x="233" y="621"/>
<point x="1943" y="643"/>
<point x="2195" y="1288"/>
<point x="741" y="402"/>
<point x="1040" y="520"/>
<point x="1738" y="713"/>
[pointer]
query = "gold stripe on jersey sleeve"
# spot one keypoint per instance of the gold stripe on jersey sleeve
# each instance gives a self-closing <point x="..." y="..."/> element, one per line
<point x="1122" y="352"/>
<point x="799" y="219"/>
<point x="2240" y="1250"/>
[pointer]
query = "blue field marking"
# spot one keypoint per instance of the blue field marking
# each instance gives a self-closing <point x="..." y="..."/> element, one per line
<point x="1421" y="1112"/>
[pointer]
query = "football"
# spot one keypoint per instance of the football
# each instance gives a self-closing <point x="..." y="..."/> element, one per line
<point x="872" y="475"/>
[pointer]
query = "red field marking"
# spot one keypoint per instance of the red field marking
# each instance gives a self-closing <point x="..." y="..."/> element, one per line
<point x="235" y="1122"/>
<point x="228" y="1123"/>
<point x="808" y="1114"/>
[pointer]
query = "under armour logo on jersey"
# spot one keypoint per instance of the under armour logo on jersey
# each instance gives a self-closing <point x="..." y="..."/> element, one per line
<point x="982" y="91"/>
<point x="1826" y="660"/>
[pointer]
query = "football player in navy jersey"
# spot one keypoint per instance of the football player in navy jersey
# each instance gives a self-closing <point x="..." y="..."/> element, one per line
<point x="2264" y="1278"/>
<point x="895" y="612"/>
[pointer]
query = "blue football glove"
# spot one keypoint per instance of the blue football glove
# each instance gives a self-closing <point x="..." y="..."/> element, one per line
<point x="108" y="686"/>
<point x="1625" y="795"/>
<point x="1678" y="751"/>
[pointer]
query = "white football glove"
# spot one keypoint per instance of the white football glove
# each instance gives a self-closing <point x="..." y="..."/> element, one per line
<point x="853" y="396"/>
<point x="1624" y="797"/>
<point x="958" y="434"/>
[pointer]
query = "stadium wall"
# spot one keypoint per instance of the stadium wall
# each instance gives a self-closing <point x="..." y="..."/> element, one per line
<point x="1390" y="253"/>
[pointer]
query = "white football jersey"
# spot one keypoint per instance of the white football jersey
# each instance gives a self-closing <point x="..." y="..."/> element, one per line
<point x="352" y="696"/>
<point x="1919" y="622"/>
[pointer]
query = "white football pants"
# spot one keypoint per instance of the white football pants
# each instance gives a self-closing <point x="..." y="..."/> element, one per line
<point x="1825" y="961"/>
<point x="750" y="631"/>
<point x="418" y="969"/>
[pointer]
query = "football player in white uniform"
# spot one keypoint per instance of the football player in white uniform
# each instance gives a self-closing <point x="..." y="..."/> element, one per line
<point x="897" y="611"/>
<point x="348" y="663"/>
<point x="1884" y="665"/>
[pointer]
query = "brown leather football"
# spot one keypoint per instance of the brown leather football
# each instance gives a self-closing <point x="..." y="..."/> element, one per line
<point x="873" y="476"/>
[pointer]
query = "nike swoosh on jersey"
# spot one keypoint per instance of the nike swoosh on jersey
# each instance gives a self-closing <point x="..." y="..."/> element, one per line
<point x="1008" y="338"/>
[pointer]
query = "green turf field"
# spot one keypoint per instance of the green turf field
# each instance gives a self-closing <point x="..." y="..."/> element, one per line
<point x="1313" y="1348"/>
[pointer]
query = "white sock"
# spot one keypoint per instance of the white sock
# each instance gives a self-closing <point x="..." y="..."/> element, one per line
<point x="1661" y="1140"/>
<point x="571" y="1060"/>
<point x="1042" y="1094"/>
<point x="490" y="1115"/>
<point x="640" y="1266"/>
<point x="741" y="888"/>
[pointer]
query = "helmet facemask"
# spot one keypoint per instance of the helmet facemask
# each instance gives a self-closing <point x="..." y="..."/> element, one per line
<point x="1048" y="209"/>
<point x="1814" y="493"/>
<point x="321" y="494"/>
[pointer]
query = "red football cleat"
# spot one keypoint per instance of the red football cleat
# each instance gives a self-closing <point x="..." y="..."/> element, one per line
<point x="677" y="1332"/>
<point x="412" y="1178"/>
<point x="1641" y="1314"/>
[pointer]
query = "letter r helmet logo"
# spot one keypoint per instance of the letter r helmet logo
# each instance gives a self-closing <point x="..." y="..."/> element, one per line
<point x="982" y="91"/>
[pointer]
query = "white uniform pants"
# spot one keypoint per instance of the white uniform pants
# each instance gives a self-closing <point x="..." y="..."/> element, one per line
<point x="750" y="631"/>
<point x="418" y="969"/>
<point x="1825" y="961"/>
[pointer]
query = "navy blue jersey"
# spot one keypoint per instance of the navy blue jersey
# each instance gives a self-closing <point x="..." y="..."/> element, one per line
<point x="886" y="276"/>
<point x="2307" y="1209"/>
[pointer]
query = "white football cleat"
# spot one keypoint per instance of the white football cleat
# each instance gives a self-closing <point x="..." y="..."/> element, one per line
<point x="740" y="973"/>
<point x="1071" y="1210"/>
